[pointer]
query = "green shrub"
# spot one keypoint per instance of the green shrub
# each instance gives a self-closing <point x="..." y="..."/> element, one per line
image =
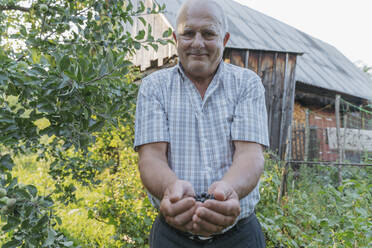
<point x="117" y="212"/>
<point x="126" y="205"/>
<point x="315" y="213"/>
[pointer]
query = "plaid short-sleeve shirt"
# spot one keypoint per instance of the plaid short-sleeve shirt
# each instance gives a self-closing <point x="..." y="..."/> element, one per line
<point x="200" y="132"/>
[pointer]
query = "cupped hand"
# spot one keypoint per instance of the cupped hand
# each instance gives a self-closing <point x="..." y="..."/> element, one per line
<point x="178" y="205"/>
<point x="212" y="216"/>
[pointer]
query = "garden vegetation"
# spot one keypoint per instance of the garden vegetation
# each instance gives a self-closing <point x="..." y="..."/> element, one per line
<point x="68" y="172"/>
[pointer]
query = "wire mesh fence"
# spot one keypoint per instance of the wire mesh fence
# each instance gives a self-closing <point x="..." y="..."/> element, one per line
<point x="333" y="135"/>
<point x="339" y="135"/>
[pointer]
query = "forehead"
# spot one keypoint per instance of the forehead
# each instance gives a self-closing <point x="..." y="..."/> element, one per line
<point x="199" y="16"/>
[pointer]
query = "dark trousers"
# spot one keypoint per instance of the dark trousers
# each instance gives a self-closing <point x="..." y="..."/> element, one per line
<point x="247" y="233"/>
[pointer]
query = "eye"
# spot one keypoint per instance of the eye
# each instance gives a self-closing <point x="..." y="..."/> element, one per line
<point x="188" y="34"/>
<point x="208" y="34"/>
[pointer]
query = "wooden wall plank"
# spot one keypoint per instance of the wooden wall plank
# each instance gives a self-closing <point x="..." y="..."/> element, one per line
<point x="253" y="60"/>
<point x="277" y="94"/>
<point x="238" y="57"/>
<point x="267" y="75"/>
<point x="288" y="103"/>
<point x="277" y="71"/>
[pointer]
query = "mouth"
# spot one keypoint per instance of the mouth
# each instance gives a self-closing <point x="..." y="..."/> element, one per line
<point x="197" y="54"/>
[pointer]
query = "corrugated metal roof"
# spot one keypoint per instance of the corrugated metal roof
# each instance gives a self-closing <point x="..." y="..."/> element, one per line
<point x="321" y="64"/>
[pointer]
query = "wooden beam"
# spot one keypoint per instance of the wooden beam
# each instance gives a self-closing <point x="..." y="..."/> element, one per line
<point x="246" y="58"/>
<point x="340" y="160"/>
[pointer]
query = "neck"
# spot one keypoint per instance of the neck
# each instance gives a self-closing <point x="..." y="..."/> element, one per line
<point x="201" y="83"/>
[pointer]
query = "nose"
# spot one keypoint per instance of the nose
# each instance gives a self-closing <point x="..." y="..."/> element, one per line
<point x="198" y="41"/>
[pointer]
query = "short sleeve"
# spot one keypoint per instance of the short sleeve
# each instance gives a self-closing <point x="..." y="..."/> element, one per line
<point x="250" y="115"/>
<point x="151" y="119"/>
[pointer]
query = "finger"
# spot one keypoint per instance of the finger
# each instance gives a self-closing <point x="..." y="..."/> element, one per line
<point x="196" y="230"/>
<point x="175" y="193"/>
<point x="214" y="218"/>
<point x="219" y="195"/>
<point x="180" y="190"/>
<point x="205" y="228"/>
<point x="182" y="219"/>
<point x="229" y="208"/>
<point x="188" y="225"/>
<point x="198" y="204"/>
<point x="220" y="190"/>
<point x="172" y="209"/>
<point x="188" y="189"/>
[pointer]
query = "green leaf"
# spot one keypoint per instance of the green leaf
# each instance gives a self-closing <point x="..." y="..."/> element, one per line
<point x="51" y="237"/>
<point x="7" y="162"/>
<point x="361" y="211"/>
<point x="68" y="243"/>
<point x="167" y="33"/>
<point x="32" y="190"/>
<point x="156" y="47"/>
<point x="23" y="30"/>
<point x="26" y="224"/>
<point x="64" y="63"/>
<point x="42" y="221"/>
<point x="35" y="55"/>
<point x="137" y="45"/>
<point x="23" y="194"/>
<point x="142" y="20"/>
<point x="130" y="20"/>
<point x="162" y="42"/>
<point x="12" y="223"/>
<point x="95" y="126"/>
<point x="141" y="8"/>
<point x="3" y="77"/>
<point x="103" y="68"/>
<point x="150" y="38"/>
<point x="140" y="35"/>
<point x="28" y="210"/>
<point x="59" y="220"/>
<point x="110" y="60"/>
<point x="70" y="74"/>
<point x="129" y="6"/>
<point x="12" y="244"/>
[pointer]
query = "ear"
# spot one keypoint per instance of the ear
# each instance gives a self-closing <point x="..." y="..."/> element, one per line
<point x="174" y="37"/>
<point x="226" y="38"/>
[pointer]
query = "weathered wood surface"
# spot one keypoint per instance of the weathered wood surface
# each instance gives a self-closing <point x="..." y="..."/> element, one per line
<point x="298" y="142"/>
<point x="288" y="101"/>
<point x="338" y="137"/>
<point x="307" y="135"/>
<point x="277" y="71"/>
<point x="238" y="57"/>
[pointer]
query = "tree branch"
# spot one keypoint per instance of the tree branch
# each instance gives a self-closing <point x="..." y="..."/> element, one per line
<point x="101" y="77"/>
<point x="14" y="7"/>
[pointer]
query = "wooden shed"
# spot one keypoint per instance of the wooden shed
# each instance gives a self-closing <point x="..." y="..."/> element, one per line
<point x="272" y="48"/>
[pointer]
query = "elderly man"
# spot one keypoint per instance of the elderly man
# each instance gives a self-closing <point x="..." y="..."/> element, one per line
<point x="200" y="128"/>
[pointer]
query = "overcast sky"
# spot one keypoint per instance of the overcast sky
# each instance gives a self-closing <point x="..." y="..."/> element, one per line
<point x="345" y="24"/>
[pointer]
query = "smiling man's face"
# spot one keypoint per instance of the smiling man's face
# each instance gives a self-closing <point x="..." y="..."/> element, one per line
<point x="199" y="40"/>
